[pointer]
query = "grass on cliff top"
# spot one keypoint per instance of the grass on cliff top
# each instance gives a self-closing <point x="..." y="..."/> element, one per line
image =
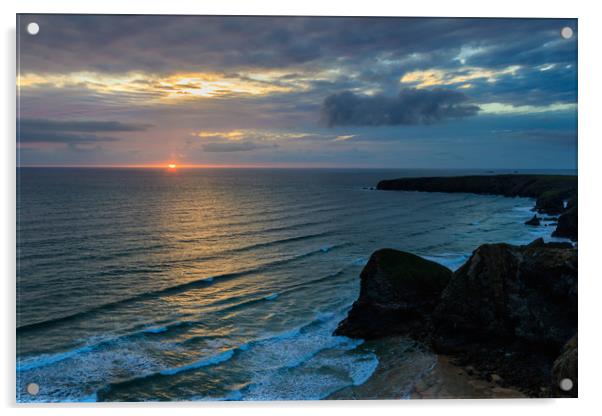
<point x="409" y="271"/>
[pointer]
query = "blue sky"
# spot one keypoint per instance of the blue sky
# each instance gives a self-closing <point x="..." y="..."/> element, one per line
<point x="297" y="91"/>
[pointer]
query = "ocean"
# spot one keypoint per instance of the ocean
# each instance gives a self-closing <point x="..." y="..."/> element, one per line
<point x="219" y="284"/>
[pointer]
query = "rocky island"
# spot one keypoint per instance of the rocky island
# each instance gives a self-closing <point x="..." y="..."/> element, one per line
<point x="507" y="316"/>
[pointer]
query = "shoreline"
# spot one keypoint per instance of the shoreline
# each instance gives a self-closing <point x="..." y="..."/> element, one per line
<point x="441" y="377"/>
<point x="483" y="324"/>
<point x="555" y="195"/>
<point x="448" y="380"/>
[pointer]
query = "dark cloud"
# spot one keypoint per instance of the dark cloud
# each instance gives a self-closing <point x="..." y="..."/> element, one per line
<point x="368" y="53"/>
<point x="125" y="43"/>
<point x="28" y="136"/>
<point x="71" y="132"/>
<point x="316" y="57"/>
<point x="529" y="86"/>
<point x="235" y="146"/>
<point x="45" y="125"/>
<point x="411" y="106"/>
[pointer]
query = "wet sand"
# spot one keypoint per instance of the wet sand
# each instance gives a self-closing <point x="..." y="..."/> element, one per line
<point x="436" y="377"/>
<point x="448" y="381"/>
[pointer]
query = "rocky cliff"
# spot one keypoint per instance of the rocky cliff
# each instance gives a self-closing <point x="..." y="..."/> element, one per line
<point x="554" y="194"/>
<point x="509" y="310"/>
<point x="398" y="292"/>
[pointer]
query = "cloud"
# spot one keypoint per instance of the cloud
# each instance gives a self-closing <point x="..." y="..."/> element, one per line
<point x="71" y="132"/>
<point x="411" y="106"/>
<point x="501" y="108"/>
<point x="251" y="134"/>
<point x="127" y="43"/>
<point x="27" y="136"/>
<point x="235" y="146"/>
<point x="249" y="80"/>
<point x="45" y="125"/>
<point x="122" y="60"/>
<point x="438" y="77"/>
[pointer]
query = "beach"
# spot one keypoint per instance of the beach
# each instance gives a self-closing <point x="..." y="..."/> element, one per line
<point x="441" y="379"/>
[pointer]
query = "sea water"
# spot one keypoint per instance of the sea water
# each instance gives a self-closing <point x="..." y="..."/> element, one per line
<point x="218" y="284"/>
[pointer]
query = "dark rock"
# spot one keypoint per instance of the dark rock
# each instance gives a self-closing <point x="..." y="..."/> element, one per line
<point x="507" y="311"/>
<point x="551" y="202"/>
<point x="554" y="244"/>
<point x="539" y="242"/>
<point x="554" y="194"/>
<point x="557" y="244"/>
<point x="567" y="224"/>
<point x="550" y="190"/>
<point x="565" y="367"/>
<point x="398" y="292"/>
<point x="533" y="221"/>
<point x="494" y="378"/>
<point x="510" y="295"/>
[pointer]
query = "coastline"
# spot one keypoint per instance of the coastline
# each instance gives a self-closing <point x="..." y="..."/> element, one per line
<point x="555" y="195"/>
<point x="448" y="380"/>
<point x="441" y="377"/>
<point x="521" y="282"/>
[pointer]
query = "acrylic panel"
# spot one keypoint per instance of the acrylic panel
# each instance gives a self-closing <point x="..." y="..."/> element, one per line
<point x="295" y="208"/>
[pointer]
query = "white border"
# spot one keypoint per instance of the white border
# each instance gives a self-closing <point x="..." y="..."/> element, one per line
<point x="590" y="71"/>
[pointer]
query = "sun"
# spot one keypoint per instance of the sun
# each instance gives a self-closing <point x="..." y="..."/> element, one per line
<point x="172" y="166"/>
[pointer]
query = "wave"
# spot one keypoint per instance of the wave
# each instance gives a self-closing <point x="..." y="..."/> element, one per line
<point x="44" y="360"/>
<point x="297" y="338"/>
<point x="171" y="290"/>
<point x="156" y="330"/>
<point x="195" y="365"/>
<point x="268" y="244"/>
<point x="294" y="211"/>
<point x="264" y="346"/>
<point x="215" y="359"/>
<point x="228" y="233"/>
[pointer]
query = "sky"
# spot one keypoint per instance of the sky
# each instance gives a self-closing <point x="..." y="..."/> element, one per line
<point x="100" y="90"/>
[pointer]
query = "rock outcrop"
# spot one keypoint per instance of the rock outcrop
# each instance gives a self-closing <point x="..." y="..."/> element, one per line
<point x="398" y="293"/>
<point x="513" y="295"/>
<point x="567" y="224"/>
<point x="533" y="221"/>
<point x="509" y="310"/>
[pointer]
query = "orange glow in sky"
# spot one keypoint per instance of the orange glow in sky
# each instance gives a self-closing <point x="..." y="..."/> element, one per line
<point x="172" y="166"/>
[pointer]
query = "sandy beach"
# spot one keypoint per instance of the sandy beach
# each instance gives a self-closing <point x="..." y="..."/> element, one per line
<point x="438" y="378"/>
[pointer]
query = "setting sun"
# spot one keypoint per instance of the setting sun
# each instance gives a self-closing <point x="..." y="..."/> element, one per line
<point x="172" y="166"/>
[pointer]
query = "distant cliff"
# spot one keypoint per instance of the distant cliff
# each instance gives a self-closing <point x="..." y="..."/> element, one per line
<point x="555" y="194"/>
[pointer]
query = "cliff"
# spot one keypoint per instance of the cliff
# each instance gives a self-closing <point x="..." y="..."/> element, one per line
<point x="508" y="311"/>
<point x="554" y="194"/>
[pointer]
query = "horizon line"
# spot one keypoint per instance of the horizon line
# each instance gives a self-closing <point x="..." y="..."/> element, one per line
<point x="272" y="166"/>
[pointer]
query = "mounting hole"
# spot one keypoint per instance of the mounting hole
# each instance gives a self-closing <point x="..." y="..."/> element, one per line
<point x="566" y="384"/>
<point x="33" y="389"/>
<point x="566" y="32"/>
<point x="33" y="28"/>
